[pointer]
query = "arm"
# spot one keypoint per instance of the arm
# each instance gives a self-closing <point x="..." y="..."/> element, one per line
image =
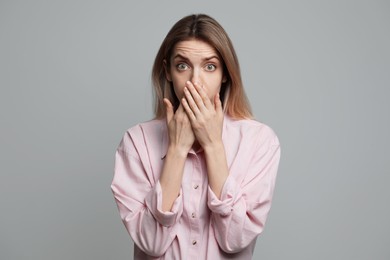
<point x="181" y="138"/>
<point x="171" y="177"/>
<point x="139" y="201"/>
<point x="239" y="208"/>
<point x="207" y="121"/>
<point x="217" y="169"/>
<point x="239" y="216"/>
<point x="149" y="209"/>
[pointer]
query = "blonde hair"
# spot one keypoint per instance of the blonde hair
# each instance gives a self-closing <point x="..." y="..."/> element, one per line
<point x="201" y="27"/>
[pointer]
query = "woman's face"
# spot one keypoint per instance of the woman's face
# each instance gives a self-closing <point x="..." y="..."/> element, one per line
<point x="195" y="61"/>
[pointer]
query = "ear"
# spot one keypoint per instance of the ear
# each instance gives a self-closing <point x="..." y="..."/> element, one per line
<point x="167" y="72"/>
<point x="224" y="79"/>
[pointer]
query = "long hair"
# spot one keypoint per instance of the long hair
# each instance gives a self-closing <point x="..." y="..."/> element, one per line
<point x="201" y="27"/>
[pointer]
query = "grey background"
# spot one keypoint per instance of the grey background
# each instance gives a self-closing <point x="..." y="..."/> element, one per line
<point x="74" y="75"/>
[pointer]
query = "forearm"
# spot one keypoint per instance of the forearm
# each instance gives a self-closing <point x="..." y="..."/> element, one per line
<point x="171" y="176"/>
<point x="217" y="168"/>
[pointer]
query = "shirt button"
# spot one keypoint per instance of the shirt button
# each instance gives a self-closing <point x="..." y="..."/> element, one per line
<point x="196" y="186"/>
<point x="193" y="215"/>
<point x="194" y="242"/>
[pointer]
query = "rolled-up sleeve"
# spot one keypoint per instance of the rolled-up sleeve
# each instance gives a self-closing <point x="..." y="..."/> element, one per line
<point x="154" y="203"/>
<point x="239" y="216"/>
<point x="139" y="201"/>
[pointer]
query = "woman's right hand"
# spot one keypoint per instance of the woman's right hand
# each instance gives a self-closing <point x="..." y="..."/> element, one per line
<point x="181" y="136"/>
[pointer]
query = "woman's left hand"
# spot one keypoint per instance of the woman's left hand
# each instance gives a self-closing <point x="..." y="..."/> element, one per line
<point x="206" y="117"/>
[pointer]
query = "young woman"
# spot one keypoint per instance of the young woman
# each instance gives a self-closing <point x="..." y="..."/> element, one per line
<point x="197" y="181"/>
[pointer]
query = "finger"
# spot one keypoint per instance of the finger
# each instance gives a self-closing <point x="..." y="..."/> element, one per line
<point x="169" y="109"/>
<point x="191" y="102"/>
<point x="188" y="110"/>
<point x="180" y="113"/>
<point x="194" y="90"/>
<point x="218" y="104"/>
<point x="203" y="95"/>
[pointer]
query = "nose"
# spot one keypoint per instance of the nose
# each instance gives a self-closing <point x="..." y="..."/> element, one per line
<point x="195" y="77"/>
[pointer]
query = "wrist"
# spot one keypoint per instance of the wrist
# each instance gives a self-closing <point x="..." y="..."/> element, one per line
<point x="177" y="152"/>
<point x="214" y="148"/>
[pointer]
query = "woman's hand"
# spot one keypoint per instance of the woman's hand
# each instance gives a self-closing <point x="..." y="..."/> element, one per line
<point x="207" y="122"/>
<point x="181" y="136"/>
<point x="206" y="118"/>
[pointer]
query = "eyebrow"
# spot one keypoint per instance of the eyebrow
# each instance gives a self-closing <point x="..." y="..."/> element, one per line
<point x="185" y="58"/>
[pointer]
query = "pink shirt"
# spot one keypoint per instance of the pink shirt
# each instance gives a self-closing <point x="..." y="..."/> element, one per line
<point x="199" y="226"/>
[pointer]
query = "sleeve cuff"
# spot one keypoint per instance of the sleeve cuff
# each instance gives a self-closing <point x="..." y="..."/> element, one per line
<point x="224" y="205"/>
<point x="153" y="202"/>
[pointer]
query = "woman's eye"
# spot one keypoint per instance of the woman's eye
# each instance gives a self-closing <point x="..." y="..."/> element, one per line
<point x="210" y="67"/>
<point x="182" y="66"/>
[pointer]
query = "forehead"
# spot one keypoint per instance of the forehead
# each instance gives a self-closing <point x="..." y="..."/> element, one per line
<point x="194" y="48"/>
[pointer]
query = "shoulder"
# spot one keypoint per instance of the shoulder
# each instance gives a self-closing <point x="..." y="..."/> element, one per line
<point x="136" y="135"/>
<point x="150" y="126"/>
<point x="251" y="130"/>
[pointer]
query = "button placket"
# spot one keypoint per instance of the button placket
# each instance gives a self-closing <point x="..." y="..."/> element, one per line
<point x="195" y="186"/>
<point x="193" y="207"/>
